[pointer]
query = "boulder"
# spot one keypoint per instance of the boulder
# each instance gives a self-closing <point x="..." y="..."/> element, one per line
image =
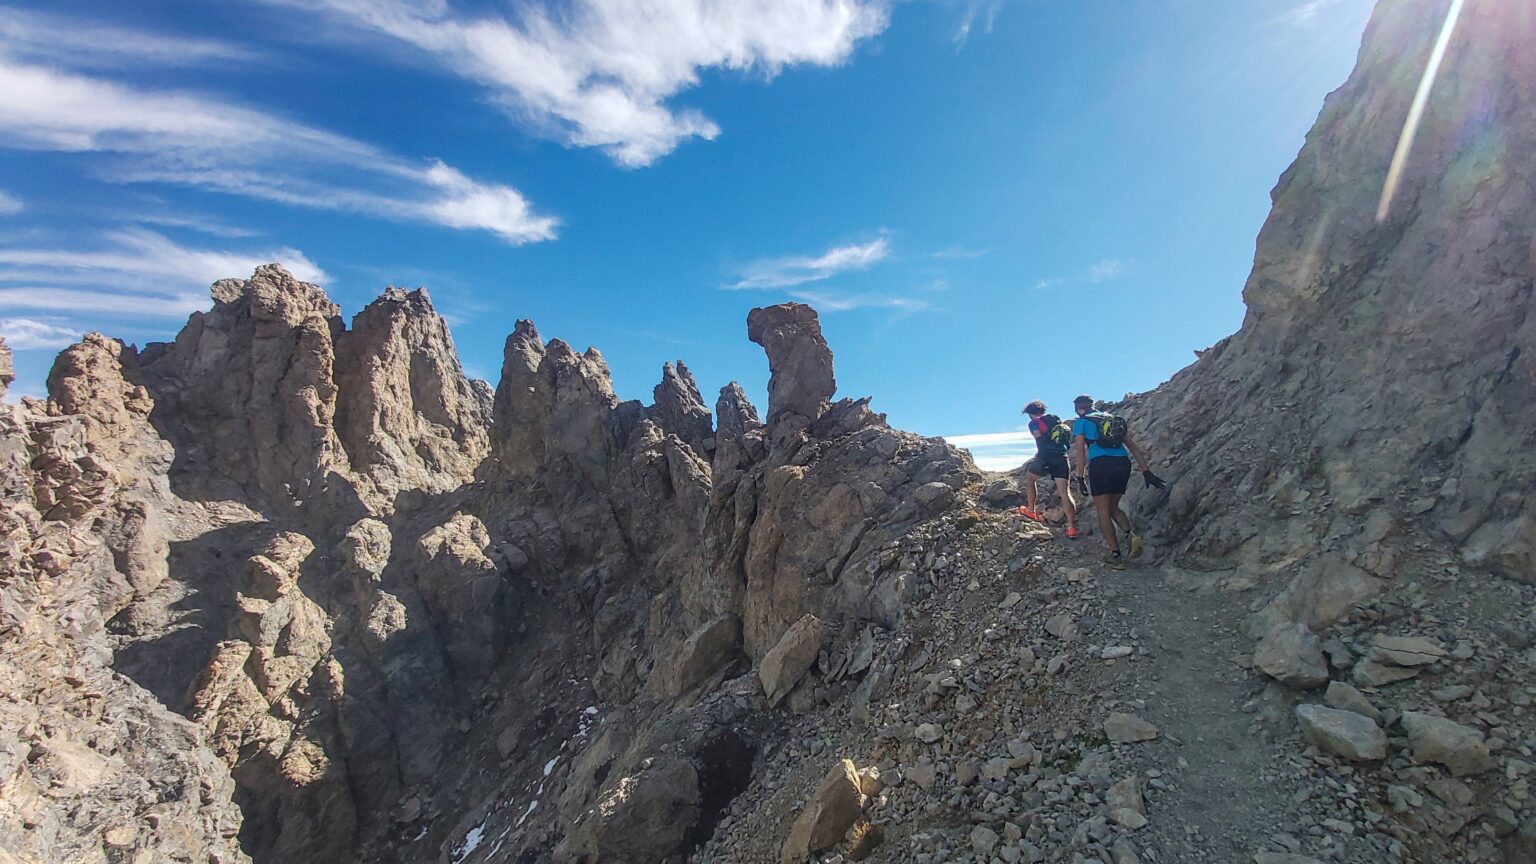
<point x="1342" y="733"/>
<point x="1446" y="742"/>
<point x="826" y="816"/>
<point x="788" y="661"/>
<point x="642" y="817"/>
<point x="1292" y="655"/>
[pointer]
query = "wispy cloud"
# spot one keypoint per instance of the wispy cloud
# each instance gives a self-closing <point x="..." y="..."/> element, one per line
<point x="45" y="37"/>
<point x="977" y="11"/>
<point x="996" y="451"/>
<point x="134" y="272"/>
<point x="1105" y="270"/>
<point x="10" y="204"/>
<point x="594" y="73"/>
<point x="194" y="140"/>
<point x="1304" y="13"/>
<point x="24" y="334"/>
<point x="833" y="302"/>
<point x="799" y="269"/>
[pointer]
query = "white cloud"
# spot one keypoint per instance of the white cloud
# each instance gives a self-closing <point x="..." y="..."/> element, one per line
<point x="103" y="302"/>
<point x="10" y="204"/>
<point x="830" y="302"/>
<point x="1105" y="270"/>
<point x="1305" y="13"/>
<point x="599" y="73"/>
<point x="188" y="139"/>
<point x="39" y="36"/>
<point x="23" y="334"/>
<point x="137" y="252"/>
<point x="800" y="269"/>
<point x="984" y="11"/>
<point x="996" y="451"/>
<point x="133" y="272"/>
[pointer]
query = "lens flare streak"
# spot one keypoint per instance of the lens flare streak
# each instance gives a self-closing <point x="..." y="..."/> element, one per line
<point x="1416" y="111"/>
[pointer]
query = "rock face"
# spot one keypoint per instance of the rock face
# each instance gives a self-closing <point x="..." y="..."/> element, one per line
<point x="1300" y="425"/>
<point x="90" y="764"/>
<point x="341" y="562"/>
<point x="293" y="591"/>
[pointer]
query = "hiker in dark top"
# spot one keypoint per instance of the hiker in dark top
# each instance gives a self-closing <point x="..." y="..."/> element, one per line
<point x="1051" y="439"/>
<point x="1108" y="464"/>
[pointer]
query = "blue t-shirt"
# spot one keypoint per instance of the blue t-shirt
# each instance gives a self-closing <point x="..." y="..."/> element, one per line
<point x="1088" y="429"/>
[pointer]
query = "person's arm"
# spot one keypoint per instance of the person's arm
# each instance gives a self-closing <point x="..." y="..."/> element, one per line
<point x="1152" y="480"/>
<point x="1141" y="455"/>
<point x="1080" y="450"/>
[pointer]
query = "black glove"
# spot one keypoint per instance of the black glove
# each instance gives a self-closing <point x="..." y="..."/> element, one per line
<point x="1153" y="481"/>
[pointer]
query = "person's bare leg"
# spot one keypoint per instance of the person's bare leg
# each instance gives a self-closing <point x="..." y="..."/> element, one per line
<point x="1117" y="514"/>
<point x="1101" y="503"/>
<point x="1064" y="489"/>
<point x="1031" y="496"/>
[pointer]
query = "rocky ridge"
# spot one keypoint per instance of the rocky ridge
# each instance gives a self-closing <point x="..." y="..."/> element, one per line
<point x="293" y="590"/>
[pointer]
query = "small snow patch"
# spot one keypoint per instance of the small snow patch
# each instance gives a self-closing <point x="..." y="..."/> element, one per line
<point x="550" y="765"/>
<point x="532" y="805"/>
<point x="471" y="843"/>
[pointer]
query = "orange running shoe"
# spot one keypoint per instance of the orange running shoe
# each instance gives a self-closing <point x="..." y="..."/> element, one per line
<point x="1031" y="514"/>
<point x="1071" y="533"/>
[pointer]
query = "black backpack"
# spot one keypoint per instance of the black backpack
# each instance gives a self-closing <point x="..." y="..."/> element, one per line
<point x="1059" y="433"/>
<point x="1112" y="429"/>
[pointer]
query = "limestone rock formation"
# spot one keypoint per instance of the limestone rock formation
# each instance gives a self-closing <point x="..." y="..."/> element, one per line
<point x="1385" y="369"/>
<point x="298" y="592"/>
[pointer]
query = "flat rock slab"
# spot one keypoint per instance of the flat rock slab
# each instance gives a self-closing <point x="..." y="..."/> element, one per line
<point x="1406" y="650"/>
<point x="1128" y="728"/>
<point x="1343" y="733"/>
<point x="1369" y="673"/>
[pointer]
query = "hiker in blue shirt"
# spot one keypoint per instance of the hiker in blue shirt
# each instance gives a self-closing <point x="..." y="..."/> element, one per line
<point x="1104" y="444"/>
<point x="1051" y="439"/>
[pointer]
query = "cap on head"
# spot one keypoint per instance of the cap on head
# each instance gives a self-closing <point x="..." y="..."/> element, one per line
<point x="1035" y="408"/>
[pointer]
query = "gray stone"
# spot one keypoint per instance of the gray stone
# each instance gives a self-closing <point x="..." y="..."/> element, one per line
<point x="1124" y="728"/>
<point x="1346" y="698"/>
<point x="1369" y="673"/>
<point x="1292" y="655"/>
<point x="1406" y="650"/>
<point x="1343" y="733"/>
<point x="1446" y="742"/>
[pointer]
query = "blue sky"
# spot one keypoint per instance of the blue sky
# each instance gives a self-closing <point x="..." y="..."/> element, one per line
<point x="988" y="201"/>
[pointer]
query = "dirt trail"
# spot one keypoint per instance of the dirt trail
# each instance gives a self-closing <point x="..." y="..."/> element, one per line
<point x="1230" y="787"/>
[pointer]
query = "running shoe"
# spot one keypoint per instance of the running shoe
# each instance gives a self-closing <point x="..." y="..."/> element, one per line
<point x="1135" y="545"/>
<point x="1114" y="562"/>
<point x="1071" y="533"/>
<point x="1031" y="514"/>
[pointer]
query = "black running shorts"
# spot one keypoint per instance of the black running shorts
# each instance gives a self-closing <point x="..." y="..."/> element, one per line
<point x="1048" y="465"/>
<point x="1109" y="475"/>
